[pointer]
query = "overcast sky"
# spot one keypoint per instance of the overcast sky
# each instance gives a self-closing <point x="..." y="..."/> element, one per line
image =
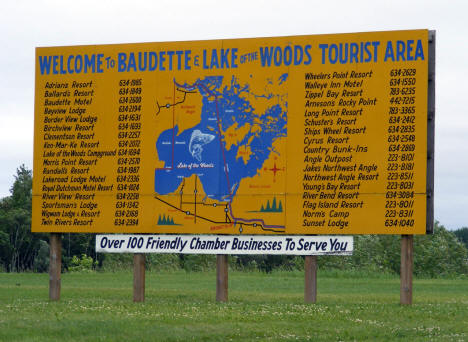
<point x="25" y="25"/>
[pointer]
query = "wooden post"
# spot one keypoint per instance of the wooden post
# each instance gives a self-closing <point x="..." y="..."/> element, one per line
<point x="406" y="270"/>
<point x="138" y="277"/>
<point x="221" y="278"/>
<point x="55" y="265"/>
<point x="310" y="288"/>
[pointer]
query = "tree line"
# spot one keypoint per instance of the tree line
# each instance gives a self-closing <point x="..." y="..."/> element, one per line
<point x="445" y="253"/>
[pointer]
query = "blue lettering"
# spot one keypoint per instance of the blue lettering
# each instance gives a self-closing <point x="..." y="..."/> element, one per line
<point x="224" y="58"/>
<point x="205" y="66"/>
<point x="367" y="51"/>
<point x="60" y="64"/>
<point x="287" y="59"/>
<point x="78" y="64"/>
<point x="44" y="64"/>
<point x="187" y="59"/>
<point x="214" y="59"/>
<point x="100" y="61"/>
<point x="400" y="47"/>
<point x="233" y="58"/>
<point x="375" y="45"/>
<point x="179" y="54"/>
<point x="324" y="47"/>
<point x="389" y="52"/>
<point x="353" y="53"/>
<point x="131" y="62"/>
<point x="142" y="61"/>
<point x="153" y="61"/>
<point x="404" y="51"/>
<point x="62" y="71"/>
<point x="344" y="59"/>
<point x="55" y="64"/>
<point x="170" y="54"/>
<point x="307" y="52"/>
<point x="298" y="54"/>
<point x="278" y="56"/>
<point x="265" y="56"/>
<point x="70" y="70"/>
<point x="285" y="56"/>
<point x="348" y="52"/>
<point x="301" y="245"/>
<point x="161" y="61"/>
<point x="331" y="58"/>
<point x="122" y="58"/>
<point x="89" y="63"/>
<point x="419" y="51"/>
<point x="409" y="48"/>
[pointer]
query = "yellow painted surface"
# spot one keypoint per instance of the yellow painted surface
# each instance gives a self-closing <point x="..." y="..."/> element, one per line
<point x="208" y="137"/>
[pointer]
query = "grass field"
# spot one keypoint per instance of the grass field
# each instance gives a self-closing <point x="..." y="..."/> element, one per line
<point x="262" y="307"/>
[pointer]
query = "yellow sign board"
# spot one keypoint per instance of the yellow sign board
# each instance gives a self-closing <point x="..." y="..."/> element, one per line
<point x="301" y="135"/>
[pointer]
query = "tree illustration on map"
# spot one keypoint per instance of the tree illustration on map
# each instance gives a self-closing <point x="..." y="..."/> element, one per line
<point x="208" y="152"/>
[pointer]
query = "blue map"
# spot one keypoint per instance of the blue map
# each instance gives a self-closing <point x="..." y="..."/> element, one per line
<point x="206" y="151"/>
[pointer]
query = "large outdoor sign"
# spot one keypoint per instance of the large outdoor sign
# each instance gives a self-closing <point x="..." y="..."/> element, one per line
<point x="294" y="135"/>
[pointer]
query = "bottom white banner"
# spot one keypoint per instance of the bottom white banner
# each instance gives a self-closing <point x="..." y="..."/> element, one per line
<point x="226" y="244"/>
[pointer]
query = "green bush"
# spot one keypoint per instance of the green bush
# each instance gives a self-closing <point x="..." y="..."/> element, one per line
<point x="83" y="264"/>
<point x="462" y="235"/>
<point x="198" y="262"/>
<point x="154" y="262"/>
<point x="438" y="255"/>
<point x="162" y="262"/>
<point x="117" y="262"/>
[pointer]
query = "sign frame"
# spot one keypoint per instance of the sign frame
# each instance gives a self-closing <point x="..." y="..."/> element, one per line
<point x="430" y="133"/>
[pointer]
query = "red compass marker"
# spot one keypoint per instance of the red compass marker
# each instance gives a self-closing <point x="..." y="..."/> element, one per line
<point x="275" y="169"/>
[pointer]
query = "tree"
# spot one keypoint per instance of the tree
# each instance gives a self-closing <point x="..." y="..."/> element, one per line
<point x="462" y="235"/>
<point x="435" y="255"/>
<point x="439" y="254"/>
<point x="18" y="247"/>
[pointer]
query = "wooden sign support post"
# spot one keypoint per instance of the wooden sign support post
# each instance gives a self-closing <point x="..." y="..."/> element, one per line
<point x="55" y="265"/>
<point x="310" y="288"/>
<point x="221" y="278"/>
<point x="138" y="277"/>
<point x="406" y="270"/>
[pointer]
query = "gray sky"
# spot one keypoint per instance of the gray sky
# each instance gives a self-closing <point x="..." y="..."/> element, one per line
<point x="25" y="25"/>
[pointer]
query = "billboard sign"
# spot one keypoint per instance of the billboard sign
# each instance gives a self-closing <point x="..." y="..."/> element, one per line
<point x="298" y="135"/>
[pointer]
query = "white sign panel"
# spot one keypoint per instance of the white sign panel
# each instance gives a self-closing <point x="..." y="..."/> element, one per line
<point x="224" y="244"/>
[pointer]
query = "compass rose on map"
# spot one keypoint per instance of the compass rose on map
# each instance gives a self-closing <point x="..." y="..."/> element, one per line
<point x="274" y="169"/>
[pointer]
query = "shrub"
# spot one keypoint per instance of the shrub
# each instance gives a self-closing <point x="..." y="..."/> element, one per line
<point x="83" y="264"/>
<point x="198" y="262"/>
<point x="162" y="262"/>
<point x="117" y="262"/>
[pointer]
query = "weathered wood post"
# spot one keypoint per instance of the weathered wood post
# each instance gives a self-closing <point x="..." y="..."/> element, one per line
<point x="139" y="277"/>
<point x="406" y="270"/>
<point x="221" y="278"/>
<point x="55" y="265"/>
<point x="310" y="286"/>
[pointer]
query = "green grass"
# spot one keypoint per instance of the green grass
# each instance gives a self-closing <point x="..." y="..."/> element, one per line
<point x="262" y="307"/>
